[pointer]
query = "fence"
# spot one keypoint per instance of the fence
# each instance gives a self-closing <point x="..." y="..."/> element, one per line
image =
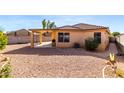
<point x="21" y="39"/>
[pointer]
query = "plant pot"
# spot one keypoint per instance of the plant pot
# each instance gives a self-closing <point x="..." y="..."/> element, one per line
<point x="53" y="44"/>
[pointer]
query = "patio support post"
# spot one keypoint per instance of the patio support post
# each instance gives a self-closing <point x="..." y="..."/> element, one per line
<point x="32" y="39"/>
<point x="40" y="37"/>
<point x="53" y="35"/>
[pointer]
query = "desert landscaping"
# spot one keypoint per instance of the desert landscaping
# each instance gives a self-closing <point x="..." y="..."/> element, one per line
<point x="56" y="62"/>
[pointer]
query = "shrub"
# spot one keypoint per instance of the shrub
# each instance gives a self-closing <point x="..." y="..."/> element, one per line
<point x="5" y="70"/>
<point x="91" y="44"/>
<point x="76" y="45"/>
<point x="3" y="40"/>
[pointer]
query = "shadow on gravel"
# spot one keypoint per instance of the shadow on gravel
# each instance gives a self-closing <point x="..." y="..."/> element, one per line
<point x="57" y="51"/>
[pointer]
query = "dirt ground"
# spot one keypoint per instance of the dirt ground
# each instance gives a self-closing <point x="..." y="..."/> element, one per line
<point x="55" y="62"/>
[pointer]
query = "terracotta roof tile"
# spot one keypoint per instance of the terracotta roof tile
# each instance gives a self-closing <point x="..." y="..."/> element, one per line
<point x="88" y="26"/>
<point x="82" y="26"/>
<point x="68" y="27"/>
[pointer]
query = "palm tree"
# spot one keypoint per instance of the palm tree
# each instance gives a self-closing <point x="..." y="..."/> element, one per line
<point x="44" y="23"/>
<point x="52" y="25"/>
<point x="48" y="24"/>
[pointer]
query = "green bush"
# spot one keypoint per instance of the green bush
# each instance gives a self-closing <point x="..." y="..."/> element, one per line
<point x="3" y="40"/>
<point x="5" y="70"/>
<point x="91" y="44"/>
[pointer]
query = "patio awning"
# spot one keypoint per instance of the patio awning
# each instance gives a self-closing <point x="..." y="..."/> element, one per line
<point x="42" y="30"/>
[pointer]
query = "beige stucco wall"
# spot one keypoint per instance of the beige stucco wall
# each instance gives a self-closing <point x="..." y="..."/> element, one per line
<point x="80" y="36"/>
<point x="120" y="41"/>
<point x="26" y="39"/>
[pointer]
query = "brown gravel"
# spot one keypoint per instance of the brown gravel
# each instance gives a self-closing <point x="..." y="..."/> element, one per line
<point x="54" y="62"/>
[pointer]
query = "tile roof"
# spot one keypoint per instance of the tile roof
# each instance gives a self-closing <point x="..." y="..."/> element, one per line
<point x="68" y="27"/>
<point x="81" y="26"/>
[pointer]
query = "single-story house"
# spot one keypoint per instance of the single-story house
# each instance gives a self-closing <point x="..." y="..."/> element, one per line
<point x="66" y="36"/>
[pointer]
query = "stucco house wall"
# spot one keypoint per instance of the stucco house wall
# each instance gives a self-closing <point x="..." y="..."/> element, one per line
<point x="80" y="36"/>
<point x="78" y="33"/>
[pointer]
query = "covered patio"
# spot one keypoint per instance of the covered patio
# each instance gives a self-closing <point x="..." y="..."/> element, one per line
<point x="40" y="32"/>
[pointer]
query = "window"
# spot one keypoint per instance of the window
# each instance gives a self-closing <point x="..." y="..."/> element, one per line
<point x="60" y="37"/>
<point x="63" y="37"/>
<point x="97" y="36"/>
<point x="66" y="37"/>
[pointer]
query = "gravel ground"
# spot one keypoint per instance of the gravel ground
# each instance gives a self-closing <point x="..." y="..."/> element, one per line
<point x="54" y="62"/>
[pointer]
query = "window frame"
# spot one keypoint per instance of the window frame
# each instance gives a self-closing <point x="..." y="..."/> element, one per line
<point x="59" y="37"/>
<point x="64" y="37"/>
<point x="97" y="36"/>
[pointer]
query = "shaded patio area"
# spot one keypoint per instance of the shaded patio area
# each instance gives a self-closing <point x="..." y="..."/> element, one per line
<point x="47" y="50"/>
<point x="43" y="45"/>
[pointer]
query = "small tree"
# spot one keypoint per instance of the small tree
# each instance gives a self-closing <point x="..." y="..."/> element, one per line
<point x="115" y="33"/>
<point x="3" y="40"/>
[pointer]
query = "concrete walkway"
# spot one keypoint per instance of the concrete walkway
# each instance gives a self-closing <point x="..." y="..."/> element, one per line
<point x="112" y="48"/>
<point x="44" y="45"/>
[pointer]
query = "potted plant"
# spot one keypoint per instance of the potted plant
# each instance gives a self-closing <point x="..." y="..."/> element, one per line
<point x="53" y="42"/>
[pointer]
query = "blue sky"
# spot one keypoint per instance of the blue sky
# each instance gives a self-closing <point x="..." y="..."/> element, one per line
<point x="15" y="22"/>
